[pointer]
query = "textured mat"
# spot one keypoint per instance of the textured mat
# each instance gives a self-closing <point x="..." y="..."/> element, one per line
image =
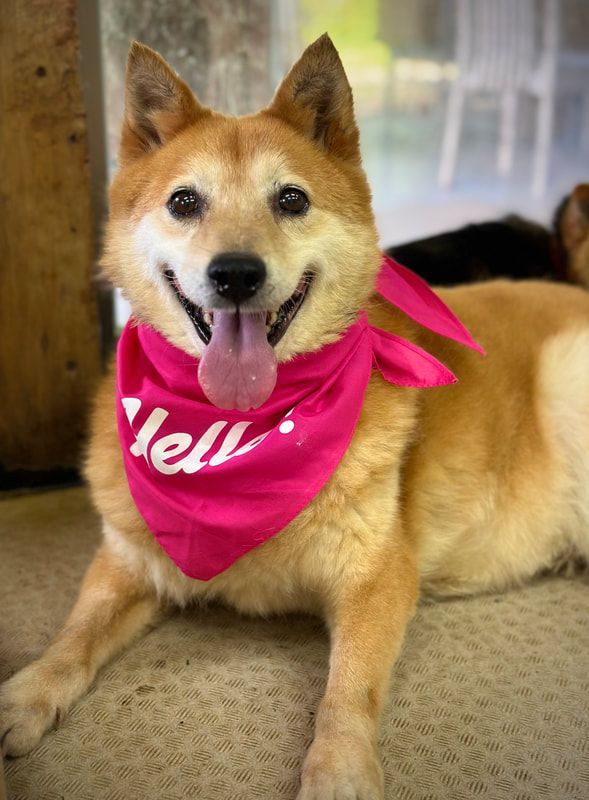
<point x="489" y="699"/>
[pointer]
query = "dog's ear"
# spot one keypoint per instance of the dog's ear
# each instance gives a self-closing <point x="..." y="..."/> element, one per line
<point x="158" y="104"/>
<point x="574" y="221"/>
<point x="316" y="99"/>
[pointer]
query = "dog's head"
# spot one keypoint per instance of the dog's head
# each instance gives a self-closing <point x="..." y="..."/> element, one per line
<point x="245" y="241"/>
<point x="572" y="225"/>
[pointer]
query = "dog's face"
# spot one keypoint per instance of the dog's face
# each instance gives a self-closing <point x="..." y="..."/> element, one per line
<point x="245" y="241"/>
<point x="573" y="226"/>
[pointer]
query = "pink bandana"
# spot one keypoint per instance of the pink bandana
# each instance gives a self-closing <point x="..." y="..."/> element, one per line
<point x="212" y="484"/>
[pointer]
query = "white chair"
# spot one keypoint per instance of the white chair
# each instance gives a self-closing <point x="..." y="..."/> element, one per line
<point x="498" y="50"/>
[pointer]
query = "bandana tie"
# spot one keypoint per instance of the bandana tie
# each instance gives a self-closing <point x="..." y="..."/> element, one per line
<point x="213" y="484"/>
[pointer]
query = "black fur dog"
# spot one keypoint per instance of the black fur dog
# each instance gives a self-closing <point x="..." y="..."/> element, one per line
<point x="511" y="247"/>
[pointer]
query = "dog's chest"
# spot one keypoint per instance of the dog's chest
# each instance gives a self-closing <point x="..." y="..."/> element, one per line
<point x="297" y="568"/>
<point x="345" y="528"/>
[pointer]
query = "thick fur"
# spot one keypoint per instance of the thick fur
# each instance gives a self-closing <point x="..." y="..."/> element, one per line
<point x="471" y="487"/>
<point x="572" y="228"/>
<point x="511" y="247"/>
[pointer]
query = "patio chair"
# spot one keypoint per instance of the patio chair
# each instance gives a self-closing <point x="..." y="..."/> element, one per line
<point x="511" y="47"/>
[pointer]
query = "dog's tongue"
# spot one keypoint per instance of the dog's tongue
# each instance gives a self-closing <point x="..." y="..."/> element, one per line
<point x="238" y="367"/>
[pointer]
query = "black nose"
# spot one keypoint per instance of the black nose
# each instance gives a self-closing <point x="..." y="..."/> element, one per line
<point x="237" y="276"/>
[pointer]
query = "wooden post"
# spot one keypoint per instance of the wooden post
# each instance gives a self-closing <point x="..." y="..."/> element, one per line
<point x="49" y="333"/>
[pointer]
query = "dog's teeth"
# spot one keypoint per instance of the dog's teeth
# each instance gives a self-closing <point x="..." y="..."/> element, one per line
<point x="208" y="318"/>
<point x="271" y="318"/>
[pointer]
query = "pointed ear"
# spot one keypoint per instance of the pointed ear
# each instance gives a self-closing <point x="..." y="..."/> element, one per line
<point x="158" y="104"/>
<point x="316" y="99"/>
<point x="574" y="221"/>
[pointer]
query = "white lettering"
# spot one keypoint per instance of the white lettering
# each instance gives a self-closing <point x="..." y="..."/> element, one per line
<point x="149" y="428"/>
<point x="192" y="463"/>
<point x="229" y="443"/>
<point x="167" y="447"/>
<point x="131" y="406"/>
<point x="175" y="444"/>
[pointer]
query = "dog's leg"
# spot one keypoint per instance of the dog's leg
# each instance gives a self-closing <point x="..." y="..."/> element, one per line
<point x="112" y="608"/>
<point x="367" y="623"/>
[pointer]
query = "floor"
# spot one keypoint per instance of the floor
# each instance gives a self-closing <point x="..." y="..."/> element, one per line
<point x="490" y="698"/>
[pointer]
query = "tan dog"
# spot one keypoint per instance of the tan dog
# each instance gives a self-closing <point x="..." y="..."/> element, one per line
<point x="465" y="488"/>
<point x="572" y="225"/>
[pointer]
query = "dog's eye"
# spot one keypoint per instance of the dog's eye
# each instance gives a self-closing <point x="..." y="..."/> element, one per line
<point x="293" y="201"/>
<point x="184" y="203"/>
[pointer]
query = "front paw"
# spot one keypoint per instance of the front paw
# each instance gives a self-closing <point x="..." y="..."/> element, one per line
<point x="348" y="770"/>
<point x="27" y="710"/>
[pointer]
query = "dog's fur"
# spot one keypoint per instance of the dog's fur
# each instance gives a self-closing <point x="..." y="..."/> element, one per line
<point x="571" y="224"/>
<point x="511" y="247"/>
<point x="471" y="487"/>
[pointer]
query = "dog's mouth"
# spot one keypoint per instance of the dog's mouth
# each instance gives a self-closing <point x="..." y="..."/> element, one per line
<point x="277" y="322"/>
<point x="238" y="367"/>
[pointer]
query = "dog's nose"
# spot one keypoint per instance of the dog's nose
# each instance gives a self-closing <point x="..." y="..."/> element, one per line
<point x="237" y="276"/>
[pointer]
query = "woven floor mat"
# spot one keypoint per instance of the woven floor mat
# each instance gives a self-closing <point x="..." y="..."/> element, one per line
<point x="489" y="699"/>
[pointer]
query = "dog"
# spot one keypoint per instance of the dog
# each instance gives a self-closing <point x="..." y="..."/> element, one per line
<point x="511" y="247"/>
<point x="468" y="487"/>
<point x="571" y="225"/>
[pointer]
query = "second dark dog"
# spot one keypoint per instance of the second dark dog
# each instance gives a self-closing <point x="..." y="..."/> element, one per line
<point x="512" y="247"/>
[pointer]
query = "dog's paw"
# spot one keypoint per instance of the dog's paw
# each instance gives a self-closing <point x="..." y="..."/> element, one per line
<point x="342" y="771"/>
<point x="27" y="710"/>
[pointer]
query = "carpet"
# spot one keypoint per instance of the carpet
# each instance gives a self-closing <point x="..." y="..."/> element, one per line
<point x="489" y="699"/>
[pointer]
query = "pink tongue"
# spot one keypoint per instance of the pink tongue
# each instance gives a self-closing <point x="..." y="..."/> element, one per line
<point x="238" y="367"/>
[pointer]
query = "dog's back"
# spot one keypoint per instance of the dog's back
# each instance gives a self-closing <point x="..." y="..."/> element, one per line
<point x="507" y="248"/>
<point x="511" y="247"/>
<point x="497" y="483"/>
